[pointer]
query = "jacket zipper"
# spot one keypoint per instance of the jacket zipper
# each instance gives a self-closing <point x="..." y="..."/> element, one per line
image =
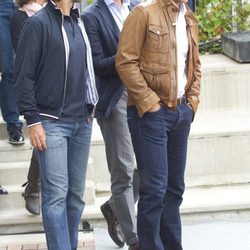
<point x="66" y="66"/>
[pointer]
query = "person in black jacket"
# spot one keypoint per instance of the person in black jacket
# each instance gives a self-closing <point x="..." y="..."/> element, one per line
<point x="26" y="9"/>
<point x="56" y="93"/>
<point x="9" y="109"/>
<point x="104" y="20"/>
<point x="2" y="190"/>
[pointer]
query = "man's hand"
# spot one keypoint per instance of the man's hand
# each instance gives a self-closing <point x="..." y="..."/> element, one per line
<point x="155" y="108"/>
<point x="37" y="137"/>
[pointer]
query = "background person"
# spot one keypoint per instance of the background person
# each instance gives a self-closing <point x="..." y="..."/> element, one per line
<point x="26" y="9"/>
<point x="104" y="20"/>
<point x="2" y="190"/>
<point x="9" y="109"/>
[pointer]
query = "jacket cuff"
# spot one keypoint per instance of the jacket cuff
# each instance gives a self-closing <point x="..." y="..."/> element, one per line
<point x="32" y="119"/>
<point x="194" y="102"/>
<point x="147" y="103"/>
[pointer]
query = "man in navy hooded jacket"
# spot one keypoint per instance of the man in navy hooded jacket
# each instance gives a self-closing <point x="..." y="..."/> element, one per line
<point x="55" y="88"/>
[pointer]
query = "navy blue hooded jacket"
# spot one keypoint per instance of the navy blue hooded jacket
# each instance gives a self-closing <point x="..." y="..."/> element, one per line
<point x="41" y="65"/>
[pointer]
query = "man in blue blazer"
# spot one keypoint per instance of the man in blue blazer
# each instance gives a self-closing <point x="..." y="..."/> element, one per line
<point x="103" y="21"/>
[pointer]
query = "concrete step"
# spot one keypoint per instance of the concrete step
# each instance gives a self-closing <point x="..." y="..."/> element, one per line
<point x="216" y="198"/>
<point x="19" y="220"/>
<point x="13" y="173"/>
<point x="225" y="84"/>
<point x="199" y="204"/>
<point x="15" y="200"/>
<point x="219" y="151"/>
<point x="3" y="129"/>
<point x="10" y="153"/>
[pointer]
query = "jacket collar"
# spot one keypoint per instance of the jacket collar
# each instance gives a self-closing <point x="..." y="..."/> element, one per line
<point x="101" y="3"/>
<point x="173" y="10"/>
<point x="109" y="2"/>
<point x="73" y="12"/>
<point x="107" y="16"/>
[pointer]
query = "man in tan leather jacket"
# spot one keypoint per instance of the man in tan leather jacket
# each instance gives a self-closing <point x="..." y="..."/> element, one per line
<point x="158" y="61"/>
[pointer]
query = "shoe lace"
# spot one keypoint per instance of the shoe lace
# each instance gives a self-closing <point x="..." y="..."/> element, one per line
<point x="16" y="132"/>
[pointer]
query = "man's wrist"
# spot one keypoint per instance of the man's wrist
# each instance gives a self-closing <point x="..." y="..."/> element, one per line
<point x="33" y="124"/>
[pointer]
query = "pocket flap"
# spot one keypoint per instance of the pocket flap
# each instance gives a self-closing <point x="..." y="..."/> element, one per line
<point x="152" y="68"/>
<point x="158" y="30"/>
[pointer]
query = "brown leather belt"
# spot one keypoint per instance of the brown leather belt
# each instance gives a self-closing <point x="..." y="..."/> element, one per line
<point x="179" y="101"/>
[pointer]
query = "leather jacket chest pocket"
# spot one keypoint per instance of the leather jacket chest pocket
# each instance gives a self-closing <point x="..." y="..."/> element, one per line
<point x="157" y="39"/>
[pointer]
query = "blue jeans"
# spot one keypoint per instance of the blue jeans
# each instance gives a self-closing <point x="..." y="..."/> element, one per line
<point x="63" y="171"/>
<point x="160" y="144"/>
<point x="8" y="104"/>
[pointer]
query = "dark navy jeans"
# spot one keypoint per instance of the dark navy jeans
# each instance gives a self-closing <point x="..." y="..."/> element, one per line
<point x="8" y="104"/>
<point x="160" y="144"/>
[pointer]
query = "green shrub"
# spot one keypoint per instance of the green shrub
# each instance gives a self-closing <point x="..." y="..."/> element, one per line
<point x="220" y="16"/>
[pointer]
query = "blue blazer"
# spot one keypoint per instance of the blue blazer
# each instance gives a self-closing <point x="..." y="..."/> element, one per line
<point x="103" y="34"/>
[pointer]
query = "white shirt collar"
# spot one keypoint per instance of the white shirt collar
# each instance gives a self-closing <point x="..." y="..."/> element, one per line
<point x="110" y="2"/>
<point x="182" y="7"/>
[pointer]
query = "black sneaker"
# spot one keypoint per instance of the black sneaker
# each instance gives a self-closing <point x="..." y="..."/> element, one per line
<point x="3" y="190"/>
<point x="16" y="135"/>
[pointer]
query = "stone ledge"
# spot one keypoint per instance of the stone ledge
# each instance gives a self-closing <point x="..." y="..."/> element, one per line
<point x="220" y="63"/>
<point x="213" y="124"/>
<point x="216" y="198"/>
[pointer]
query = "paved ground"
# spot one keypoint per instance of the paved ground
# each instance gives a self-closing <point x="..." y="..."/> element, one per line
<point x="40" y="246"/>
<point x="222" y="235"/>
<point x="214" y="235"/>
<point x="37" y="242"/>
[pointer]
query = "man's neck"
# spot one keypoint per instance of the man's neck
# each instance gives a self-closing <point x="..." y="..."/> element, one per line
<point x="175" y="3"/>
<point x="118" y="2"/>
<point x="65" y="6"/>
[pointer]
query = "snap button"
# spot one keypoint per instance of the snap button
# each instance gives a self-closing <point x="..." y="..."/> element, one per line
<point x="158" y="32"/>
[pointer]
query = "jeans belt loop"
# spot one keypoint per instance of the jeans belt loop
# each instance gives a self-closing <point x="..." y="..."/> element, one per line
<point x="181" y="100"/>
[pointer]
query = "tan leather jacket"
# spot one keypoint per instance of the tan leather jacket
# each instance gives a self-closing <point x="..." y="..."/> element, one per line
<point x="146" y="59"/>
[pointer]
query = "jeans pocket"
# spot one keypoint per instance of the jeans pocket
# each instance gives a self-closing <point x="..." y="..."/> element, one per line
<point x="190" y="111"/>
<point x="132" y="112"/>
<point x="153" y="113"/>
